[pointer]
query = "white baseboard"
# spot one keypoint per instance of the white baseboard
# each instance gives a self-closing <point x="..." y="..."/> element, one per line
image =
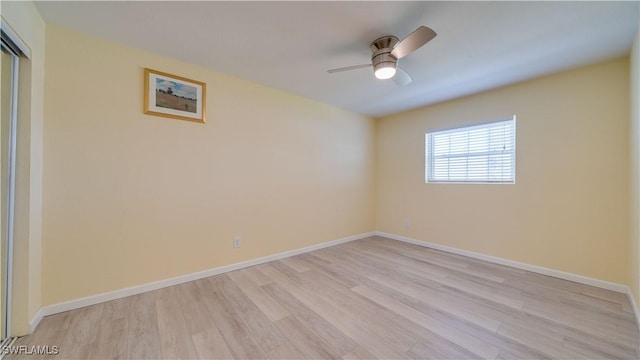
<point x="515" y="264"/>
<point x="634" y="305"/>
<point x="138" y="289"/>
<point x="134" y="290"/>
<point x="36" y="320"/>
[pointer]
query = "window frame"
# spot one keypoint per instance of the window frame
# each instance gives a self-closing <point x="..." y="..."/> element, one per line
<point x="466" y="128"/>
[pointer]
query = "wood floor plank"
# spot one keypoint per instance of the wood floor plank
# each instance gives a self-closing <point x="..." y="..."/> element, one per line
<point x="112" y="331"/>
<point x="349" y="302"/>
<point x="359" y="353"/>
<point x="266" y="333"/>
<point x="434" y="351"/>
<point x="256" y="275"/>
<point x="253" y="290"/>
<point x="588" y="322"/>
<point x="467" y="341"/>
<point x="455" y="278"/>
<point x="308" y="343"/>
<point x="297" y="263"/>
<point x="236" y="334"/>
<point x="339" y="343"/>
<point x="195" y="311"/>
<point x="112" y="340"/>
<point x="143" y="340"/>
<point x="434" y="302"/>
<point x="360" y="307"/>
<point x="205" y="335"/>
<point x="50" y="332"/>
<point x="598" y="348"/>
<point x="329" y="269"/>
<point x="82" y="332"/>
<point x="365" y="299"/>
<point x="494" y="340"/>
<point x="210" y="345"/>
<point x="175" y="338"/>
<point x="552" y="345"/>
<point x="285" y="352"/>
<point x="406" y="329"/>
<point x="510" y="354"/>
<point x="351" y="327"/>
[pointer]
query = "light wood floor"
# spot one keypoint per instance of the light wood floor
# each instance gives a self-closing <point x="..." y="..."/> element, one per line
<point x="372" y="298"/>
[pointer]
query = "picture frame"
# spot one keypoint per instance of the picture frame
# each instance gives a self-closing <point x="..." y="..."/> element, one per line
<point x="174" y="97"/>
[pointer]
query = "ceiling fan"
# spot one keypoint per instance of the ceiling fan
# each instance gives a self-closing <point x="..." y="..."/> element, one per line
<point x="387" y="50"/>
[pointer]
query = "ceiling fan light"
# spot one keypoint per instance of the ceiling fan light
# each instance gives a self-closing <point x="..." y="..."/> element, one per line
<point x="385" y="70"/>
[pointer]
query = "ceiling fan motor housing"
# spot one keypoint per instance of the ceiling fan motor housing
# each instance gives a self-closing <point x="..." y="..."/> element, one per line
<point x="387" y="50"/>
<point x="381" y="57"/>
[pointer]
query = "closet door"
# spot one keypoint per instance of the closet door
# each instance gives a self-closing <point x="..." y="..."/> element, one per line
<point x="8" y="121"/>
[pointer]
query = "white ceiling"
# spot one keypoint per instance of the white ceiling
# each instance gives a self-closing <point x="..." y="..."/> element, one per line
<point x="291" y="45"/>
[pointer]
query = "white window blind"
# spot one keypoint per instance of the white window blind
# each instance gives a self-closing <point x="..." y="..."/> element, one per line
<point x="479" y="154"/>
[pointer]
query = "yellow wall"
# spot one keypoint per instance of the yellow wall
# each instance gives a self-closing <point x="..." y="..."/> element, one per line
<point x="568" y="208"/>
<point x="634" y="213"/>
<point x="23" y="18"/>
<point x="131" y="198"/>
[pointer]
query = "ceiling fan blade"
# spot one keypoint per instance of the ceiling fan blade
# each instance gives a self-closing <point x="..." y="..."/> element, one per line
<point x="348" y="68"/>
<point x="402" y="78"/>
<point x="413" y="42"/>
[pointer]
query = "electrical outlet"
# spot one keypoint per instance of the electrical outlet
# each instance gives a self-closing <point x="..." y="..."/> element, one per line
<point x="237" y="241"/>
<point x="406" y="223"/>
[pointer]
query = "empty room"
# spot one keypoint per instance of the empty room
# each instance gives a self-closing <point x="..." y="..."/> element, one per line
<point x="320" y="180"/>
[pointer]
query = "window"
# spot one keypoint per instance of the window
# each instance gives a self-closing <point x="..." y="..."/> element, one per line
<point x="474" y="154"/>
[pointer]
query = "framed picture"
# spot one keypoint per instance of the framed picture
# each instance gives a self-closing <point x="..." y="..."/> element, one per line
<point x="174" y="96"/>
